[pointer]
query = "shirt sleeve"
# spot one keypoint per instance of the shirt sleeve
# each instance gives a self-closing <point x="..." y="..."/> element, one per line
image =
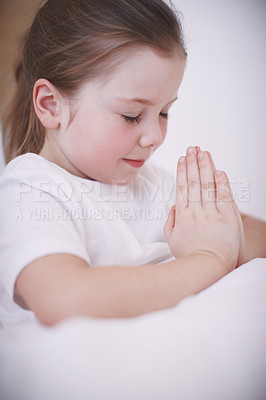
<point x="34" y="222"/>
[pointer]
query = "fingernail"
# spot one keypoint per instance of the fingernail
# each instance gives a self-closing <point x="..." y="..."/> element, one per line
<point x="190" y="150"/>
<point x="182" y="160"/>
<point x="201" y="155"/>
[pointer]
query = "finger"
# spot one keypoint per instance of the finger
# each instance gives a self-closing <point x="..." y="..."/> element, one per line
<point x="181" y="184"/>
<point x="197" y="149"/>
<point x="193" y="178"/>
<point x="224" y="195"/>
<point x="242" y="247"/>
<point x="211" y="161"/>
<point x="214" y="170"/>
<point x="207" y="179"/>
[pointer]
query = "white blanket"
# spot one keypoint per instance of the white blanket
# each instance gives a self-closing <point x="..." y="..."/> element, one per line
<point x="211" y="346"/>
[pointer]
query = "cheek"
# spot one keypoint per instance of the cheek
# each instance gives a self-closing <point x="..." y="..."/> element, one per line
<point x="120" y="140"/>
<point x="104" y="142"/>
<point x="116" y="142"/>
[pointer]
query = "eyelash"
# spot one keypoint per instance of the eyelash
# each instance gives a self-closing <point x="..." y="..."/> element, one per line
<point x="138" y="118"/>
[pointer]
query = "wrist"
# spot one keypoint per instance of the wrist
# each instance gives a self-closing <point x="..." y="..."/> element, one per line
<point x="197" y="271"/>
<point x="216" y="260"/>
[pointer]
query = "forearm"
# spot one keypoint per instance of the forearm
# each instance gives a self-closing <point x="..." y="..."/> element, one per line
<point x="121" y="292"/>
<point x="255" y="237"/>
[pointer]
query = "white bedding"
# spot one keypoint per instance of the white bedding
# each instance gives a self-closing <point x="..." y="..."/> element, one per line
<point x="211" y="346"/>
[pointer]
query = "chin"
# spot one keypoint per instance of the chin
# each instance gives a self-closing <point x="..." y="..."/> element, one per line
<point x="123" y="181"/>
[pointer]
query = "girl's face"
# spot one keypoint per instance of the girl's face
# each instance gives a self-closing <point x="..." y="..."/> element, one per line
<point x="119" y="123"/>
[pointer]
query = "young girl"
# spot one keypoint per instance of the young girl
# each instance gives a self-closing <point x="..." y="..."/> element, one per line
<point x="87" y="223"/>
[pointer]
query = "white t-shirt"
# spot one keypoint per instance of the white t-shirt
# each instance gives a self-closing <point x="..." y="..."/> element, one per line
<point x="46" y="210"/>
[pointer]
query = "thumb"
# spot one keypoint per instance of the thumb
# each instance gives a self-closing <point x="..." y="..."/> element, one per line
<point x="170" y="223"/>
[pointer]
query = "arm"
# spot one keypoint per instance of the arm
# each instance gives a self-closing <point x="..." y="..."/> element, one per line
<point x="202" y="235"/>
<point x="59" y="286"/>
<point x="255" y="237"/>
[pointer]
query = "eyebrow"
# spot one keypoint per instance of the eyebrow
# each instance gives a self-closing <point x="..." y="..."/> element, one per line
<point x="140" y="100"/>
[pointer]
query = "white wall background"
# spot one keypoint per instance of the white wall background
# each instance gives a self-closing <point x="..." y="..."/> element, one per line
<point x="222" y="100"/>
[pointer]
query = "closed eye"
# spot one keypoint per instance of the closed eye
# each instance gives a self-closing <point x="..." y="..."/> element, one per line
<point x="132" y="119"/>
<point x="138" y="118"/>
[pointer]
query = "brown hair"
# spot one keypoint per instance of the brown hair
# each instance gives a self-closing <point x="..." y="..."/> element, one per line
<point x="73" y="41"/>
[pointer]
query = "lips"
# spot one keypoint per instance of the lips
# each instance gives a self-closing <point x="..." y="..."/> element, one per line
<point x="134" y="163"/>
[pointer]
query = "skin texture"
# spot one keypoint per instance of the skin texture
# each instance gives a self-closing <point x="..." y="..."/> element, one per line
<point x="59" y="286"/>
<point x="101" y="134"/>
<point x="199" y="210"/>
<point x="94" y="145"/>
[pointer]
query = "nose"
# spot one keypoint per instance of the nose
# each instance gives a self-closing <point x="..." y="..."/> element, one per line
<point x="152" y="136"/>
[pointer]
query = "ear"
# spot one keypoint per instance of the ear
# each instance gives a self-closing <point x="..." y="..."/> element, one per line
<point x="47" y="103"/>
